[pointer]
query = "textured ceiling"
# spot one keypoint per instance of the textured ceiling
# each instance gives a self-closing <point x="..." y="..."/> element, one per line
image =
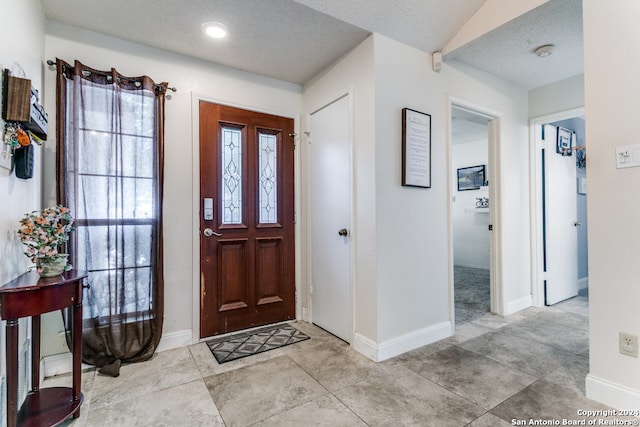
<point x="507" y="52"/>
<point x="424" y="24"/>
<point x="293" y="40"/>
<point x="275" y="38"/>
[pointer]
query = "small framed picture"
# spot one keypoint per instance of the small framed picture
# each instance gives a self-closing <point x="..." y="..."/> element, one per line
<point x="564" y="141"/>
<point x="471" y="178"/>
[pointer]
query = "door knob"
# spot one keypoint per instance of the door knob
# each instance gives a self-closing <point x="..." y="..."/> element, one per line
<point x="577" y="224"/>
<point x="343" y="232"/>
<point x="209" y="232"/>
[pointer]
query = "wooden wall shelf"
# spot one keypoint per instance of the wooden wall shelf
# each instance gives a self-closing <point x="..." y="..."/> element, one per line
<point x="18" y="105"/>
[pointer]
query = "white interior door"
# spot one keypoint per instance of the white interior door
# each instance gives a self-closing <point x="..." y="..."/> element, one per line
<point x="330" y="216"/>
<point x="560" y="221"/>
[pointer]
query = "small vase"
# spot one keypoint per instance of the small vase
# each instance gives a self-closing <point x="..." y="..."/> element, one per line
<point x="52" y="266"/>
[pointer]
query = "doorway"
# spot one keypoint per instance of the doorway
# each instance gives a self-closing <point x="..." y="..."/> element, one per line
<point x="470" y="211"/>
<point x="560" y="248"/>
<point x="487" y="123"/>
<point x="330" y="230"/>
<point x="247" y="255"/>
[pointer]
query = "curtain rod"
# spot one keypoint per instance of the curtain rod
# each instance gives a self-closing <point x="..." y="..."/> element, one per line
<point x="53" y="64"/>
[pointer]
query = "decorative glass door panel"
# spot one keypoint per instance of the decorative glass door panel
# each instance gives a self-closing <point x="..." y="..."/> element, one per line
<point x="231" y="154"/>
<point x="268" y="178"/>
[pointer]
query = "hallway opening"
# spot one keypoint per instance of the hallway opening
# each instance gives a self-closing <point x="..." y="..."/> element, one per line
<point x="470" y="214"/>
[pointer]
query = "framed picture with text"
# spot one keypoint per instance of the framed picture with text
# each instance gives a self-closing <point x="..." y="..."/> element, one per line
<point x="416" y="149"/>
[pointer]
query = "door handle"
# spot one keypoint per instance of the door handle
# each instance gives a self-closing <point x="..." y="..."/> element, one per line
<point x="577" y="224"/>
<point x="343" y="232"/>
<point x="209" y="232"/>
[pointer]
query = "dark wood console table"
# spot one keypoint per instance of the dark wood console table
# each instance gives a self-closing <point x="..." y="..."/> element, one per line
<point x="30" y="295"/>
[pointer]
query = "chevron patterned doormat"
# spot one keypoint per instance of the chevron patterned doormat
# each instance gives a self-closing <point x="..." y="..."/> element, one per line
<point x="241" y="345"/>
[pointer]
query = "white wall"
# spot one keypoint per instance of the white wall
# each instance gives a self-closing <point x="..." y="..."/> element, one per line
<point x="470" y="228"/>
<point x="21" y="46"/>
<point x="412" y="233"/>
<point x="412" y="224"/>
<point x="612" y="92"/>
<point x="564" y="95"/>
<point x="192" y="78"/>
<point x="18" y="196"/>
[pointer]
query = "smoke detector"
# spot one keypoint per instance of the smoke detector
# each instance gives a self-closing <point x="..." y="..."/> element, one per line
<point x="544" y="51"/>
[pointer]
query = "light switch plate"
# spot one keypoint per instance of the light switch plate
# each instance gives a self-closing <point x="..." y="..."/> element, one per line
<point x="582" y="185"/>
<point x="627" y="156"/>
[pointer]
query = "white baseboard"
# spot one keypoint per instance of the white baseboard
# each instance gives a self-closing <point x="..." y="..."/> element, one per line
<point x="519" y="304"/>
<point x="365" y="346"/>
<point x="398" y="345"/>
<point x="175" y="340"/>
<point x="59" y="364"/>
<point x="612" y="394"/>
<point x="583" y="283"/>
<point x="56" y="364"/>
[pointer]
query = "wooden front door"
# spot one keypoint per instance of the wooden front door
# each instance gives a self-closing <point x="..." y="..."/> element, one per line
<point x="247" y="253"/>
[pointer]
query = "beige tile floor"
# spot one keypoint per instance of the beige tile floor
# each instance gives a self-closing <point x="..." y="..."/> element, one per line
<point x="494" y="370"/>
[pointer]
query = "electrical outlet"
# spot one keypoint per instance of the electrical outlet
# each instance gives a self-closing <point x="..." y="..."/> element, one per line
<point x="628" y="344"/>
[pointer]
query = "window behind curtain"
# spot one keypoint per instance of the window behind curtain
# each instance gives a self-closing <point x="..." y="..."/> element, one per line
<point x="115" y="201"/>
<point x="110" y="177"/>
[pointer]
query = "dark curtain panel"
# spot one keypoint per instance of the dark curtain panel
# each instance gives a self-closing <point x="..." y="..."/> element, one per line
<point x="110" y="131"/>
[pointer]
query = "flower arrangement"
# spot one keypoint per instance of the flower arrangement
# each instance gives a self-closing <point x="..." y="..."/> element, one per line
<point x="42" y="232"/>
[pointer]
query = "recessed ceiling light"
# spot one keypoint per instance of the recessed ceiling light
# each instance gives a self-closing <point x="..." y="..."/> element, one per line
<point x="544" y="51"/>
<point x="215" y="30"/>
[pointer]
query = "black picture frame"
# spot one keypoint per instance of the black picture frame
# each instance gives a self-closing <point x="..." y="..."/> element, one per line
<point x="471" y="178"/>
<point x="416" y="149"/>
<point x="564" y="141"/>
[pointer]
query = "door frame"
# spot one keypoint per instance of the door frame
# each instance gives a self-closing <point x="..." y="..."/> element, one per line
<point x="495" y="193"/>
<point x="196" y="205"/>
<point x="307" y="313"/>
<point x="535" y="181"/>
